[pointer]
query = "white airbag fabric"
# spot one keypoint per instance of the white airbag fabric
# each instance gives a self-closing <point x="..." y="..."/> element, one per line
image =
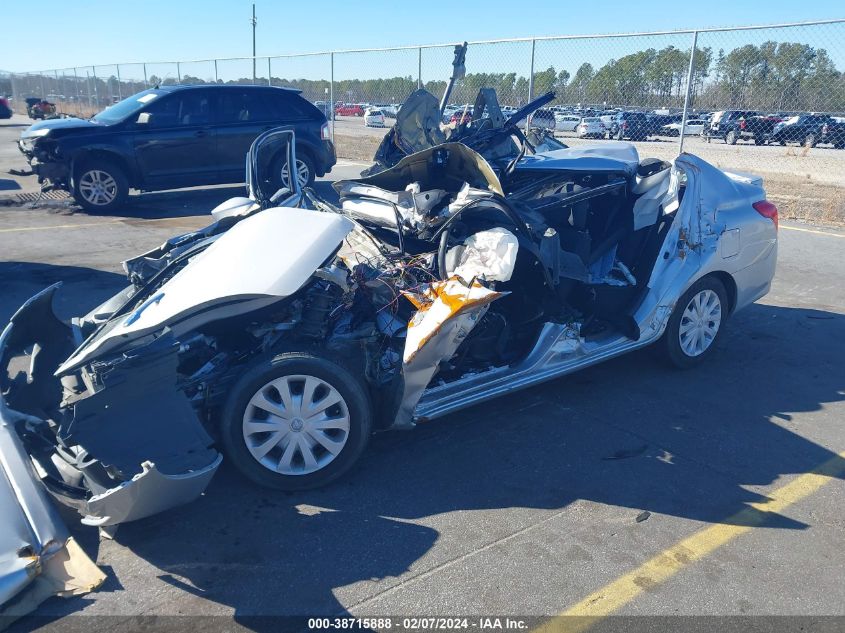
<point x="489" y="255"/>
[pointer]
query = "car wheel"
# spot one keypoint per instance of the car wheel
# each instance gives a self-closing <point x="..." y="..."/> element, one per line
<point x="100" y="186"/>
<point x="731" y="138"/>
<point x="810" y="140"/>
<point x="296" y="421"/>
<point x="696" y="323"/>
<point x="305" y="173"/>
<point x="619" y="135"/>
<point x="758" y="140"/>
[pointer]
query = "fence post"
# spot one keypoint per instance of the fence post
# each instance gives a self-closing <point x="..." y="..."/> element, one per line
<point x="146" y="82"/>
<point x="269" y="73"/>
<point x="76" y="84"/>
<point x="41" y="80"/>
<point x="531" y="75"/>
<point x="331" y="94"/>
<point x="419" y="68"/>
<point x="119" y="92"/>
<point x="96" y="91"/>
<point x="690" y="74"/>
<point x="216" y="79"/>
<point x="15" y="96"/>
<point x="178" y="73"/>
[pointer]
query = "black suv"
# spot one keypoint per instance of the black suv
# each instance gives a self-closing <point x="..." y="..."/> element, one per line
<point x="174" y="136"/>
<point x="809" y="130"/>
<point x="633" y="125"/>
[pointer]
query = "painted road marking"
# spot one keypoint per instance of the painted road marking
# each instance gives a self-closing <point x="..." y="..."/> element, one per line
<point x="124" y="221"/>
<point x="669" y="562"/>
<point x="813" y="231"/>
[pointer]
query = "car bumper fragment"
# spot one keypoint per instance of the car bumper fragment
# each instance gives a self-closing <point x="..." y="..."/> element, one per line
<point x="130" y="449"/>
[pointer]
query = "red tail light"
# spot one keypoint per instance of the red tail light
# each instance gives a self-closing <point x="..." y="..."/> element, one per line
<point x="767" y="210"/>
<point x="742" y="125"/>
<point x="825" y="129"/>
<point x="624" y="125"/>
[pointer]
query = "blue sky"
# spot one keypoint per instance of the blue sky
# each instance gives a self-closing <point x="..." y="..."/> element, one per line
<point x="99" y="31"/>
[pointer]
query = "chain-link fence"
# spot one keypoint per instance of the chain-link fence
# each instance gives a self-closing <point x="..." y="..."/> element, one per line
<point x="767" y="99"/>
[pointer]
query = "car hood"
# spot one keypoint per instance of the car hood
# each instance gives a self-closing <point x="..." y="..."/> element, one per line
<point x="59" y="125"/>
<point x="611" y="156"/>
<point x="260" y="260"/>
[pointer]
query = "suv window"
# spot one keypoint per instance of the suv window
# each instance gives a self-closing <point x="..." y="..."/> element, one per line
<point x="241" y="106"/>
<point x="189" y="107"/>
<point x="288" y="106"/>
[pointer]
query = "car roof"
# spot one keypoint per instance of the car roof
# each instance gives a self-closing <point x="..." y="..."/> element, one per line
<point x="180" y="87"/>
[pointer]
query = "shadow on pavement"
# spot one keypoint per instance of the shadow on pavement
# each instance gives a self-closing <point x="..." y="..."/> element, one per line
<point x="630" y="433"/>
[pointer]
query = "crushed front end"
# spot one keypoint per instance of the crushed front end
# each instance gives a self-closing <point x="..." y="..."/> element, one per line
<point x="117" y="439"/>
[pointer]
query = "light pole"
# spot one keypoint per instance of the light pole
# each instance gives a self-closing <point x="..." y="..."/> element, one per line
<point x="254" y="22"/>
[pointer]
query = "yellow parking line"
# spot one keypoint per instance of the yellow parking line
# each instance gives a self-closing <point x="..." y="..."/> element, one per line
<point x="57" y="226"/>
<point x="669" y="562"/>
<point x="126" y="221"/>
<point x="795" y="228"/>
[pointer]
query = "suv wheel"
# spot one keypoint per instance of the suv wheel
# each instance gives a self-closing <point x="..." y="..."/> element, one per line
<point x="305" y="172"/>
<point x="296" y="421"/>
<point x="810" y="140"/>
<point x="731" y="138"/>
<point x="100" y="186"/>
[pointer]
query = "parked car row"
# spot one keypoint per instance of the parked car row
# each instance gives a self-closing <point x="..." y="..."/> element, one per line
<point x="807" y="129"/>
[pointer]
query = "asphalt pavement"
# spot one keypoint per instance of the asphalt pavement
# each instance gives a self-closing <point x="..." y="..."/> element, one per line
<point x="526" y="505"/>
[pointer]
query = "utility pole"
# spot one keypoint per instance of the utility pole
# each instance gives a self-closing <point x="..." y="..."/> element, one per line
<point x="254" y="22"/>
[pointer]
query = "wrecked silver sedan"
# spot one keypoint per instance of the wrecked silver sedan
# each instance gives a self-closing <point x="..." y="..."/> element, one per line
<point x="290" y="330"/>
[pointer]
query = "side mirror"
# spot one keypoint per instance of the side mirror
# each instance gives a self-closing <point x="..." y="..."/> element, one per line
<point x="144" y="118"/>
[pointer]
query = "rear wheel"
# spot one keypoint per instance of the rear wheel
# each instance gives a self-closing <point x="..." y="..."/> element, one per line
<point x="305" y="172"/>
<point x="100" y="186"/>
<point x="731" y="138"/>
<point x="696" y="323"/>
<point x="810" y="140"/>
<point x="296" y="421"/>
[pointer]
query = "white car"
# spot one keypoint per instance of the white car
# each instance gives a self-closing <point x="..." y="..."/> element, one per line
<point x="590" y="127"/>
<point x="373" y="117"/>
<point x="694" y="128"/>
<point x="566" y="122"/>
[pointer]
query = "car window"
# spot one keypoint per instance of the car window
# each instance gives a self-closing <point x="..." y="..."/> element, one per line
<point x="289" y="106"/>
<point x="127" y="107"/>
<point x="186" y="108"/>
<point x="244" y="106"/>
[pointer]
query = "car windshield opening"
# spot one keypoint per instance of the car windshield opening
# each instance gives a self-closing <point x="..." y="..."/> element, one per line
<point x="122" y="109"/>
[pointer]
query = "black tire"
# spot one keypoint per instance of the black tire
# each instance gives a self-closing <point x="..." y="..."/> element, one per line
<point x="292" y="364"/>
<point x="670" y="343"/>
<point x="731" y="138"/>
<point x="619" y="135"/>
<point x="82" y="177"/>
<point x="809" y="140"/>
<point x="302" y="159"/>
<point x="758" y="140"/>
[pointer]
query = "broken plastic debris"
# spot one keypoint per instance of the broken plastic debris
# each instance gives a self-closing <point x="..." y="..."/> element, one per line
<point x="642" y="516"/>
<point x="439" y="302"/>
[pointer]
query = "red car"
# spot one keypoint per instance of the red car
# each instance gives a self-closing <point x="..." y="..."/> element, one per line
<point x="349" y="109"/>
<point x="460" y="117"/>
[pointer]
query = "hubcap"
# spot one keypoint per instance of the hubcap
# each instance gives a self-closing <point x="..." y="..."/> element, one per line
<point x="296" y="425"/>
<point x="700" y="323"/>
<point x="302" y="174"/>
<point x="97" y="187"/>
